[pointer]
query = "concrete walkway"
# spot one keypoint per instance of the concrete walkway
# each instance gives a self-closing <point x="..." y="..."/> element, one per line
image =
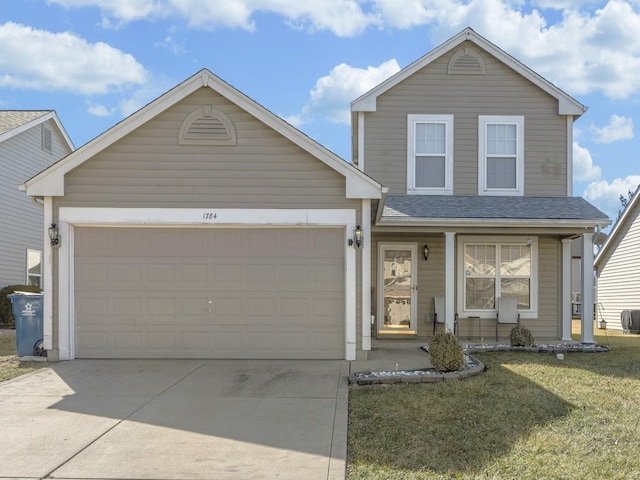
<point x="176" y="419"/>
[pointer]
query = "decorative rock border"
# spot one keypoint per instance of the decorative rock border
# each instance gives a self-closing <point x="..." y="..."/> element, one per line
<point x="472" y="366"/>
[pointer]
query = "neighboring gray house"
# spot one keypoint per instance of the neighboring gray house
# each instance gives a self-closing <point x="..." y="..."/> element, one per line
<point x="30" y="141"/>
<point x="618" y="266"/>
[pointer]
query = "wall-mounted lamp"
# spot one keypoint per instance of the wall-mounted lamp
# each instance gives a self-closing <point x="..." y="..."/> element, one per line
<point x="54" y="235"/>
<point x="425" y="251"/>
<point x="357" y="237"/>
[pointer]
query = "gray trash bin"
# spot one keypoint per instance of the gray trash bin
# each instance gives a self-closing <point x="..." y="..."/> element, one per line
<point x="27" y="310"/>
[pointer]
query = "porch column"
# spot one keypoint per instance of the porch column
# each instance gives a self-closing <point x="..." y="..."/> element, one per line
<point x="566" y="290"/>
<point x="587" y="288"/>
<point x="365" y="272"/>
<point x="449" y="281"/>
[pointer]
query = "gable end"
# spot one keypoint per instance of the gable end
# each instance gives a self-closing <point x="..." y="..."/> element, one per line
<point x="466" y="62"/>
<point x="207" y="126"/>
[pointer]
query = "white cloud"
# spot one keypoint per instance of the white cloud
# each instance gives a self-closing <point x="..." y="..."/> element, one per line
<point x="38" y="59"/>
<point x="172" y="45"/>
<point x="619" y="128"/>
<point x="331" y="96"/>
<point x="342" y="17"/>
<point x="606" y="196"/>
<point x="98" y="110"/>
<point x="583" y="167"/>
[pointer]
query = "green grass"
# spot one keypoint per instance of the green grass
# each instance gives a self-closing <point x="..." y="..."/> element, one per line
<point x="9" y="366"/>
<point x="528" y="416"/>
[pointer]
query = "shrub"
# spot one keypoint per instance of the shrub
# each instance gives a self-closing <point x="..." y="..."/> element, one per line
<point x="6" y="311"/>
<point x="446" y="352"/>
<point x="521" y="337"/>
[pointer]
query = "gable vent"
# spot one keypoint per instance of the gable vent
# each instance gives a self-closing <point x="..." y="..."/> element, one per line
<point x="466" y="62"/>
<point x="207" y="126"/>
<point x="47" y="139"/>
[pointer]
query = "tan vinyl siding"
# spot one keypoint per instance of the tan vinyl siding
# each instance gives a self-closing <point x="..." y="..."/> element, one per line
<point x="501" y="91"/>
<point x="547" y="325"/>
<point x="149" y="168"/>
<point x="21" y="226"/>
<point x="619" y="274"/>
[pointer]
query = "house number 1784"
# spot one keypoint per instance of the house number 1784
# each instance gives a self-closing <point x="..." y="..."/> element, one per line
<point x="209" y="216"/>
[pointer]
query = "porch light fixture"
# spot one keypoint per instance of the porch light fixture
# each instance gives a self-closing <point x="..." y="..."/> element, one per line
<point x="54" y="235"/>
<point x="357" y="237"/>
<point x="425" y="252"/>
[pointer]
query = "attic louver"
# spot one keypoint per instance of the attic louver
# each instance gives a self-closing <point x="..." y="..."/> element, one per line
<point x="466" y="62"/>
<point x="207" y="126"/>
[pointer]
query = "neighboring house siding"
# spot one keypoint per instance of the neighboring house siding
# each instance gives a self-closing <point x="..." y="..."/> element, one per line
<point x="21" y="227"/>
<point x="619" y="274"/>
<point x="149" y="168"/>
<point x="501" y="91"/>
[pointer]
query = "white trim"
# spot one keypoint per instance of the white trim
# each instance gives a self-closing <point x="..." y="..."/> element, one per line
<point x="449" y="281"/>
<point x="69" y="217"/>
<point x="47" y="276"/>
<point x="566" y="104"/>
<point x="566" y="290"/>
<point x="412" y="121"/>
<point x="413" y="247"/>
<point x="361" y="141"/>
<point x="587" y="289"/>
<point x="51" y="181"/>
<point x="483" y="121"/>
<point x="365" y="273"/>
<point x="498" y="240"/>
<point x="569" y="156"/>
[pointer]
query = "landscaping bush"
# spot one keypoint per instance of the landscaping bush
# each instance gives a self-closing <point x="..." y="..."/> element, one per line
<point x="6" y="312"/>
<point x="446" y="352"/>
<point x="521" y="337"/>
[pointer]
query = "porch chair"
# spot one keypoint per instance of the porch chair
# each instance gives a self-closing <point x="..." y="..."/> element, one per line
<point x="507" y="312"/>
<point x="438" y="315"/>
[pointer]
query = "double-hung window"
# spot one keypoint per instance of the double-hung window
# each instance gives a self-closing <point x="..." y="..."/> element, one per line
<point x="501" y="155"/>
<point x="430" y="155"/>
<point x="493" y="269"/>
<point x="34" y="268"/>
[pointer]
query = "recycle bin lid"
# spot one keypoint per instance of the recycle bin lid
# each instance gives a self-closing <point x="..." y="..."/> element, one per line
<point x="24" y="293"/>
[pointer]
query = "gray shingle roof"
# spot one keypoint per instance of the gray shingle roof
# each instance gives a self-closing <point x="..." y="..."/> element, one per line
<point x="10" y="119"/>
<point x="490" y="207"/>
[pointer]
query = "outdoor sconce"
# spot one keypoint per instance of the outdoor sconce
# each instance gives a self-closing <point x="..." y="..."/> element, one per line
<point x="54" y="235"/>
<point x="425" y="252"/>
<point x="357" y="237"/>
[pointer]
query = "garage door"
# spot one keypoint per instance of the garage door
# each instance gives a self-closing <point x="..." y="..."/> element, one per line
<point x="209" y="293"/>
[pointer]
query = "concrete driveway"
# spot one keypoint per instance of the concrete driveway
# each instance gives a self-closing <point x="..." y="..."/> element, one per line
<point x="176" y="419"/>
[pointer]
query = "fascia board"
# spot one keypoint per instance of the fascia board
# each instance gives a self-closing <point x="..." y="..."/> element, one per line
<point x="63" y="131"/>
<point x="25" y="126"/>
<point x="612" y="238"/>
<point x="50" y="182"/>
<point x="566" y="104"/>
<point x="478" y="222"/>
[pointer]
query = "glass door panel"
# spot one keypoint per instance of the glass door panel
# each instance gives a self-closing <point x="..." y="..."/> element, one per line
<point x="398" y="288"/>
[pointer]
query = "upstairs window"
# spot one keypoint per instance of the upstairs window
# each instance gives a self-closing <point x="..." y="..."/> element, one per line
<point x="501" y="155"/>
<point x="430" y="155"/>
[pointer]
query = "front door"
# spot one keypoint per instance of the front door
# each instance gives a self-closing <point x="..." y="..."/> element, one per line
<point x="397" y="287"/>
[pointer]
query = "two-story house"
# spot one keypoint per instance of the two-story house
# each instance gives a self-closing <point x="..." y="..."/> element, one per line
<point x="30" y="141"/>
<point x="203" y="225"/>
<point x="475" y="150"/>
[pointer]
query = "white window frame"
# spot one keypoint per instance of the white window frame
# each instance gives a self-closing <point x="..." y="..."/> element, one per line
<point x="412" y="121"/>
<point x="483" y="121"/>
<point x="530" y="313"/>
<point x="27" y="274"/>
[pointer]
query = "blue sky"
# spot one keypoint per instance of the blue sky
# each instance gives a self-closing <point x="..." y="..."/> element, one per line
<point x="97" y="61"/>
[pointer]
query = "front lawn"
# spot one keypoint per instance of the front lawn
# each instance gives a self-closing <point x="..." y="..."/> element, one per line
<point x="9" y="366"/>
<point x="529" y="415"/>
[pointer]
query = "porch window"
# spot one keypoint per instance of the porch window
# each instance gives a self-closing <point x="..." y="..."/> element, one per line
<point x="495" y="269"/>
<point x="501" y="155"/>
<point x="430" y="154"/>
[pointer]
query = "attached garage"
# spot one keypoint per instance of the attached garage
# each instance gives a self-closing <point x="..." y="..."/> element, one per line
<point x="204" y="226"/>
<point x="209" y="292"/>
